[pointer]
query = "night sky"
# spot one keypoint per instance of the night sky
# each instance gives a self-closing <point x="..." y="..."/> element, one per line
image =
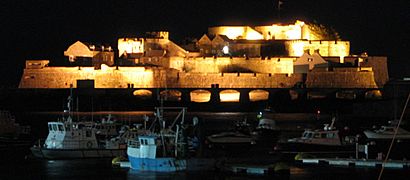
<point x="43" y="29"/>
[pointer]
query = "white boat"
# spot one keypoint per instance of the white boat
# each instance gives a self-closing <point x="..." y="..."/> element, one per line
<point x="68" y="140"/>
<point x="387" y="132"/>
<point x="327" y="139"/>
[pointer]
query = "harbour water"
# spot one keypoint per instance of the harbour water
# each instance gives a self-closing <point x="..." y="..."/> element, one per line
<point x="17" y="163"/>
<point x="102" y="169"/>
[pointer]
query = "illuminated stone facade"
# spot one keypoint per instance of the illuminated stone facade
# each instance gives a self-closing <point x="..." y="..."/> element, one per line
<point x="276" y="56"/>
<point x="90" y="54"/>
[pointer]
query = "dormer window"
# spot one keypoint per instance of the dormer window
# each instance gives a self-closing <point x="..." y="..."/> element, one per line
<point x="310" y="59"/>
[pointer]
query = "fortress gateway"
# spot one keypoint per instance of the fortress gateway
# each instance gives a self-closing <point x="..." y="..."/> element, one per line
<point x="259" y="58"/>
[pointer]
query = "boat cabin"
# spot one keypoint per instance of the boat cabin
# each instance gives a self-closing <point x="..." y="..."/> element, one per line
<point x="319" y="137"/>
<point x="68" y="135"/>
<point x="143" y="147"/>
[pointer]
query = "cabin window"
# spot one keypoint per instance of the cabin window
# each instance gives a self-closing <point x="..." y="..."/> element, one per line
<point x="54" y="127"/>
<point x="88" y="133"/>
<point x="331" y="135"/>
<point x="323" y="136"/>
<point x="316" y="135"/>
<point x="146" y="142"/>
<point x="60" y="127"/>
<point x="142" y="141"/>
<point x="50" y="128"/>
<point x="307" y="135"/>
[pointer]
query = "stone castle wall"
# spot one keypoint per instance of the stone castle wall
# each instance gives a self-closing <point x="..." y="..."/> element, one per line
<point x="342" y="78"/>
<point x="238" y="80"/>
<point x="326" y="48"/>
<point x="140" y="77"/>
<point x="379" y="66"/>
<point x="108" y="77"/>
<point x="225" y="64"/>
<point x="202" y="73"/>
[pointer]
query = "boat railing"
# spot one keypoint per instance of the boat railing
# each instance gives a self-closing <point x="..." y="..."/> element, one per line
<point x="40" y="143"/>
<point x="68" y="144"/>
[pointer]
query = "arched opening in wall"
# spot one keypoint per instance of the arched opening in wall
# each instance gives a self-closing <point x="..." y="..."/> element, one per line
<point x="170" y="95"/>
<point x="229" y="95"/>
<point x="373" y="94"/>
<point x="142" y="93"/>
<point x="200" y="96"/>
<point x="258" y="95"/>
<point x="349" y="95"/>
<point x="293" y="94"/>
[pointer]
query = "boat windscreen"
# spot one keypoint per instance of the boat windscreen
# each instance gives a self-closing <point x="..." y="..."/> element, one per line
<point x="60" y="127"/>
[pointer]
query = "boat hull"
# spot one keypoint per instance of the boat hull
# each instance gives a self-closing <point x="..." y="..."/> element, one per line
<point x="290" y="150"/>
<point x="158" y="164"/>
<point x="76" y="153"/>
<point x="374" y="135"/>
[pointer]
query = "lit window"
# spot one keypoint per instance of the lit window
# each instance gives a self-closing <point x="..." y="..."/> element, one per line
<point x="225" y="50"/>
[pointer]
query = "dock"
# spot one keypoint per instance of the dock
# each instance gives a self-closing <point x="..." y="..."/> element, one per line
<point x="347" y="162"/>
<point x="278" y="168"/>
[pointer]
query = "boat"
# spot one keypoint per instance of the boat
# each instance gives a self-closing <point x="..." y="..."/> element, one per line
<point x="13" y="134"/>
<point x="107" y="127"/>
<point x="239" y="136"/>
<point x="387" y="133"/>
<point x="266" y="132"/>
<point x="164" y="148"/>
<point x="71" y="140"/>
<point x="391" y="141"/>
<point x="329" y="139"/>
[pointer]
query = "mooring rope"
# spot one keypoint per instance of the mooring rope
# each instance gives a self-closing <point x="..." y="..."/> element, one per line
<point x="394" y="137"/>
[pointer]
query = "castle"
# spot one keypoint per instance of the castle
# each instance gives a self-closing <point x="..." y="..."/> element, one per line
<point x="229" y="57"/>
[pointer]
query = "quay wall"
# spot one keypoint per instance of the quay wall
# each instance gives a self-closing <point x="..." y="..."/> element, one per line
<point x="340" y="79"/>
<point x="141" y="77"/>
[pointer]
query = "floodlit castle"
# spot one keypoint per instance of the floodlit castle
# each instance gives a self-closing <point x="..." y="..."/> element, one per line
<point x="298" y="55"/>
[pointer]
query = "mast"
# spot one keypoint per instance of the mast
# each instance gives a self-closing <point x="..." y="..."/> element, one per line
<point x="279" y="3"/>
<point x="70" y="104"/>
<point x="394" y="136"/>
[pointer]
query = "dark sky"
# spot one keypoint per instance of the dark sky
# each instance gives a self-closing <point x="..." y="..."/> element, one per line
<point x="43" y="29"/>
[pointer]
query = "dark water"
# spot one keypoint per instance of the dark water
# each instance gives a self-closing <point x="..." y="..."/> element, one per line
<point x="102" y="169"/>
<point x="16" y="163"/>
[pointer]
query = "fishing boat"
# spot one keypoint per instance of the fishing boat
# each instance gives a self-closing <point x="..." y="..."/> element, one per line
<point x="164" y="148"/>
<point x="329" y="139"/>
<point x="70" y="140"/>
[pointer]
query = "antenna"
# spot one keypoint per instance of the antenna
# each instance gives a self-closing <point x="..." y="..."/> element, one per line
<point x="279" y="3"/>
